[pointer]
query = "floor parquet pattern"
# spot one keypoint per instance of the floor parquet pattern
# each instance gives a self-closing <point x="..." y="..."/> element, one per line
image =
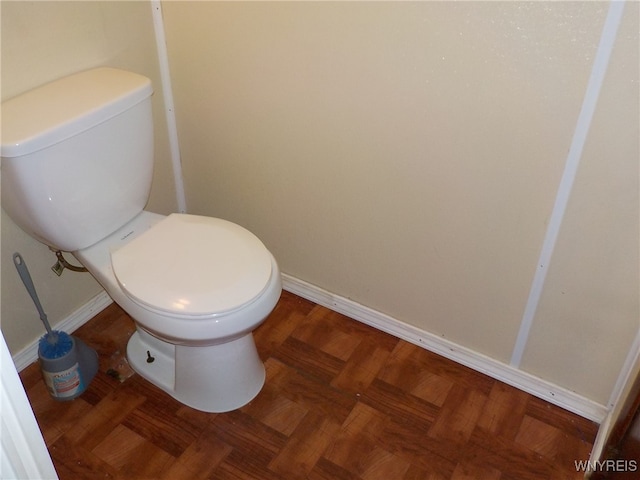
<point x="342" y="401"/>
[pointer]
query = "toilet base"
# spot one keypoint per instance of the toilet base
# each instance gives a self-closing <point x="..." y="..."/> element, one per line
<point x="217" y="378"/>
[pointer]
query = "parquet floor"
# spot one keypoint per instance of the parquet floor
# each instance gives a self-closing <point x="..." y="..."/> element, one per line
<point x="341" y="401"/>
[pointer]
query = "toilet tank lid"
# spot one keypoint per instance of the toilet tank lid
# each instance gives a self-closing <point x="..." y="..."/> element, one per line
<point x="66" y="107"/>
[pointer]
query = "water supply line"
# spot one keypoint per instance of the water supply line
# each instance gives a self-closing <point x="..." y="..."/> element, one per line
<point x="62" y="263"/>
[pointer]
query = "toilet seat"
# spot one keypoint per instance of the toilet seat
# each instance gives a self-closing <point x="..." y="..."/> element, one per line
<point x="193" y="266"/>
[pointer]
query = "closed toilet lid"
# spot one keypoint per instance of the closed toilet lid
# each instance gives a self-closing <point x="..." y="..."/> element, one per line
<point x="193" y="265"/>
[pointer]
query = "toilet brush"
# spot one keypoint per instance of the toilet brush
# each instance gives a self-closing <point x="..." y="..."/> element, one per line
<point x="67" y="363"/>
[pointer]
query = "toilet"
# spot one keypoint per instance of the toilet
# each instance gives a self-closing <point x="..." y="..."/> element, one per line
<point x="77" y="163"/>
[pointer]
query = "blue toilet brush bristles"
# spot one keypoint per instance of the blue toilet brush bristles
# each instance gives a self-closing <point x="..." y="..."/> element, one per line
<point x="54" y="344"/>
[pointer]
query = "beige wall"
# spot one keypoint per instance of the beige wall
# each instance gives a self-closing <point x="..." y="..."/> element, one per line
<point x="403" y="155"/>
<point x="588" y="314"/>
<point x="42" y="41"/>
<point x="407" y="156"/>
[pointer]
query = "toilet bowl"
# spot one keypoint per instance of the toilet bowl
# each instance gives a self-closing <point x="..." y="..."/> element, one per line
<point x="77" y="163"/>
<point x="195" y="344"/>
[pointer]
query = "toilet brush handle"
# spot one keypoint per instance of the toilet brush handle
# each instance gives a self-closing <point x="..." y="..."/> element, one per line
<point x="23" y="271"/>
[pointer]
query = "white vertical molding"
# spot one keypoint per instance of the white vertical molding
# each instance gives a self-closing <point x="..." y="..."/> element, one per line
<point x="617" y="399"/>
<point x="23" y="453"/>
<point x="167" y="93"/>
<point x="624" y="377"/>
<point x="589" y="102"/>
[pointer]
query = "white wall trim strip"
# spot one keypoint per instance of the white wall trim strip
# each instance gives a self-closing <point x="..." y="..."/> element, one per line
<point x="29" y="354"/>
<point x="23" y="453"/>
<point x="167" y="93"/>
<point x="500" y="371"/>
<point x="477" y="361"/>
<point x="617" y="398"/>
<point x="590" y="100"/>
<point x="624" y="377"/>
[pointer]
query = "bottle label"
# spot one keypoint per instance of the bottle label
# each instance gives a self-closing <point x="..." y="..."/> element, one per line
<point x="64" y="384"/>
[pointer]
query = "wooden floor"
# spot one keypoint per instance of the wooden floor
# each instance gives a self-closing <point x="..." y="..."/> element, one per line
<point x="341" y="401"/>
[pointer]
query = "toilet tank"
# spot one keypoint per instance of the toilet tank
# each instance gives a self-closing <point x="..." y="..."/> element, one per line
<point x="77" y="156"/>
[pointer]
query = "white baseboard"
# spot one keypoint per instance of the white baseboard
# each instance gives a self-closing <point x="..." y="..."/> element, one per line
<point x="500" y="371"/>
<point x="29" y="354"/>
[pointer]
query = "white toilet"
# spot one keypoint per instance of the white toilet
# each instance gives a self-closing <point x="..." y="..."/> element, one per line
<point x="77" y="162"/>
